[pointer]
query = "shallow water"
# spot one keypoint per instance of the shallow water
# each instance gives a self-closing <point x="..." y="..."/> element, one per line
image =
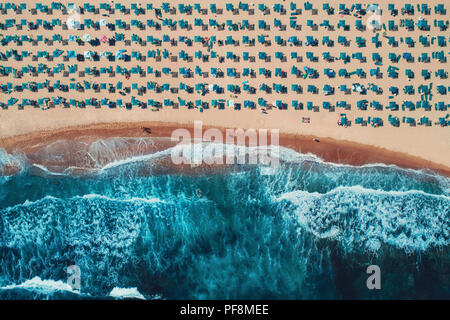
<point x="307" y="231"/>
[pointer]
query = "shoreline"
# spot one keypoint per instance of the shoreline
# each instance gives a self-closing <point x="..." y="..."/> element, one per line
<point x="328" y="149"/>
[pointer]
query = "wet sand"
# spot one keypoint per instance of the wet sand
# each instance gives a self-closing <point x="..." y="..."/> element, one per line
<point x="330" y="150"/>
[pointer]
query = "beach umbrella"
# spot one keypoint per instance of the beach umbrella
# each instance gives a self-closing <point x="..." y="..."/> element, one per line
<point x="357" y="87"/>
<point x="86" y="37"/>
<point x="12" y="101"/>
<point x="73" y="23"/>
<point x="119" y="54"/>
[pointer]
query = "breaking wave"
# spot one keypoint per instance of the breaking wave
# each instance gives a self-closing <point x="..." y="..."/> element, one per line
<point x="304" y="230"/>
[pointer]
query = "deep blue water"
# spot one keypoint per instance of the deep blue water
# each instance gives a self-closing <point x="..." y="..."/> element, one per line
<point x="308" y="231"/>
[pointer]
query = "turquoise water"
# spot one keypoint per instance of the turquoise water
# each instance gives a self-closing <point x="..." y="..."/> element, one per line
<point x="307" y="231"/>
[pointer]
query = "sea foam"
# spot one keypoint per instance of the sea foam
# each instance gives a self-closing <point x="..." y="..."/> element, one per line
<point x="411" y="220"/>
<point x="41" y="286"/>
<point x="126" y="293"/>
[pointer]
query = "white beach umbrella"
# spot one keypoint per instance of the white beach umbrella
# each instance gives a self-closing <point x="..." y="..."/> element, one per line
<point x="376" y="24"/>
<point x="86" y="37"/>
<point x="73" y="23"/>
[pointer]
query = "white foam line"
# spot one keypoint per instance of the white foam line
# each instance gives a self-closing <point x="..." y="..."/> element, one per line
<point x="126" y="293"/>
<point x="89" y="196"/>
<point x="135" y="159"/>
<point x="46" y="170"/>
<point x="43" y="286"/>
<point x="367" y="165"/>
<point x="134" y="199"/>
<point x="360" y="189"/>
<point x="285" y="154"/>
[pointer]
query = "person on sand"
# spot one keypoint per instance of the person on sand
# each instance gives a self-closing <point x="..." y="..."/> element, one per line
<point x="147" y="130"/>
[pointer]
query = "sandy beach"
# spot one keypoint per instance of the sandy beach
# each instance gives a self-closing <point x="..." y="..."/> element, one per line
<point x="409" y="146"/>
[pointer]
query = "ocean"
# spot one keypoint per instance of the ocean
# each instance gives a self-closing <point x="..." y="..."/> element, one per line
<point x="135" y="227"/>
